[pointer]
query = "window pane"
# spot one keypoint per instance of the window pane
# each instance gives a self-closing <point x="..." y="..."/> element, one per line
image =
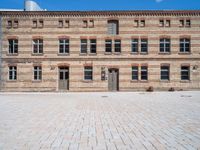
<point x="108" y="45"/>
<point x="84" y="46"/>
<point x="144" y="45"/>
<point x="88" y="73"/>
<point x="134" y="45"/>
<point x="93" y="46"/>
<point x="117" y="45"/>
<point x="135" y="73"/>
<point x="144" y="73"/>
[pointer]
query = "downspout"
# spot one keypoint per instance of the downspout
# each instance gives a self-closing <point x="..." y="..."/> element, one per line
<point x="1" y="47"/>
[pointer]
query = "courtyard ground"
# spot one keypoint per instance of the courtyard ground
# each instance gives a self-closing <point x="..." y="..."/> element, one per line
<point x="121" y="121"/>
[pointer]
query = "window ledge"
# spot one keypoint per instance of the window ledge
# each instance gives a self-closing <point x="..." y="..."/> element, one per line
<point x="34" y="54"/>
<point x="135" y="81"/>
<point x="108" y="53"/>
<point x="139" y="81"/>
<point x="165" y="81"/>
<point x="36" y="81"/>
<point x="164" y="53"/>
<point x="12" y="54"/>
<point x="184" y="53"/>
<point x="82" y="54"/>
<point x="143" y="53"/>
<point x="87" y="81"/>
<point x="134" y="53"/>
<point x="63" y="54"/>
<point x="92" y="54"/>
<point x="185" y="81"/>
<point x="117" y="53"/>
<point x="12" y="81"/>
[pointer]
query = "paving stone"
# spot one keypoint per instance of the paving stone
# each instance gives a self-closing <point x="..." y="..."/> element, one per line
<point x="86" y="121"/>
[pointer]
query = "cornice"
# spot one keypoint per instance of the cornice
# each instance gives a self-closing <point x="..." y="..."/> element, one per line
<point x="102" y="13"/>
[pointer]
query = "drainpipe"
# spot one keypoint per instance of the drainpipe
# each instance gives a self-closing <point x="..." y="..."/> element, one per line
<point x="1" y="47"/>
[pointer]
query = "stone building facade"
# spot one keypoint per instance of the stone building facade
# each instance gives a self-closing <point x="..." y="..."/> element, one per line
<point x="100" y="50"/>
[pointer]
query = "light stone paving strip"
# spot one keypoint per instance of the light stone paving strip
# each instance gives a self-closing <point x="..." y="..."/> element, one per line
<point x="100" y="121"/>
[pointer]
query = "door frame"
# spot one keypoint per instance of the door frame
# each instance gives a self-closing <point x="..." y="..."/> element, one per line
<point x="58" y="77"/>
<point x="117" y="70"/>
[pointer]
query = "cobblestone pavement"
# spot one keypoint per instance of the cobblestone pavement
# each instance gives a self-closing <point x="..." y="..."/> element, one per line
<point x="100" y="121"/>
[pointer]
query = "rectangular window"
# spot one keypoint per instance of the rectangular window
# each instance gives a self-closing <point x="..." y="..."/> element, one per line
<point x="164" y="74"/>
<point x="91" y="23"/>
<point x="134" y="45"/>
<point x="161" y="24"/>
<point x="185" y="45"/>
<point x="64" y="46"/>
<point x="34" y="24"/>
<point x="93" y="46"/>
<point x="83" y="46"/>
<point x="108" y="45"/>
<point x="165" y="45"/>
<point x="135" y="73"/>
<point x="13" y="46"/>
<point x="142" y="23"/>
<point x="185" y="73"/>
<point x="16" y="24"/>
<point x="37" y="46"/>
<point x="88" y="73"/>
<point x="60" y="23"/>
<point x="9" y="24"/>
<point x="136" y="23"/>
<point x="168" y="23"/>
<point x="144" y="73"/>
<point x="188" y="23"/>
<point x="37" y="73"/>
<point x="85" y="24"/>
<point x="144" y="46"/>
<point x="118" y="46"/>
<point x="113" y="27"/>
<point x="181" y="23"/>
<point x="12" y="73"/>
<point x="67" y="24"/>
<point x="41" y="23"/>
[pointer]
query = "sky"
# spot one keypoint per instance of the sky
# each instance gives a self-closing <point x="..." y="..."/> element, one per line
<point x="65" y="5"/>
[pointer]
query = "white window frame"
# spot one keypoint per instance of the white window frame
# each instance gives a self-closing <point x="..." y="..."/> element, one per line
<point x="12" y="48"/>
<point x="38" y="43"/>
<point x="13" y="71"/>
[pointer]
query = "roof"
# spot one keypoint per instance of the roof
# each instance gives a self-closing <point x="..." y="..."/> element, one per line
<point x="104" y="13"/>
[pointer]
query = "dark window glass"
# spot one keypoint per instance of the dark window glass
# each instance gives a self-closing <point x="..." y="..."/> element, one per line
<point x="144" y="45"/>
<point x="37" y="73"/>
<point x="108" y="45"/>
<point x="134" y="45"/>
<point x="185" y="73"/>
<point x="64" y="46"/>
<point x="12" y="73"/>
<point x="83" y="45"/>
<point x="184" y="45"/>
<point x="144" y="73"/>
<point x="118" y="46"/>
<point x="13" y="46"/>
<point x="37" y="46"/>
<point x="135" y="73"/>
<point x="165" y="45"/>
<point x="164" y="73"/>
<point x="93" y="46"/>
<point x="88" y="73"/>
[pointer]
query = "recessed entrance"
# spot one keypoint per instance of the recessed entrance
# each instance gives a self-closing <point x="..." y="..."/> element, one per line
<point x="113" y="79"/>
<point x="63" y="78"/>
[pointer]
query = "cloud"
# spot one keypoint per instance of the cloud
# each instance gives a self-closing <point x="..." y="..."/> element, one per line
<point x="158" y="1"/>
